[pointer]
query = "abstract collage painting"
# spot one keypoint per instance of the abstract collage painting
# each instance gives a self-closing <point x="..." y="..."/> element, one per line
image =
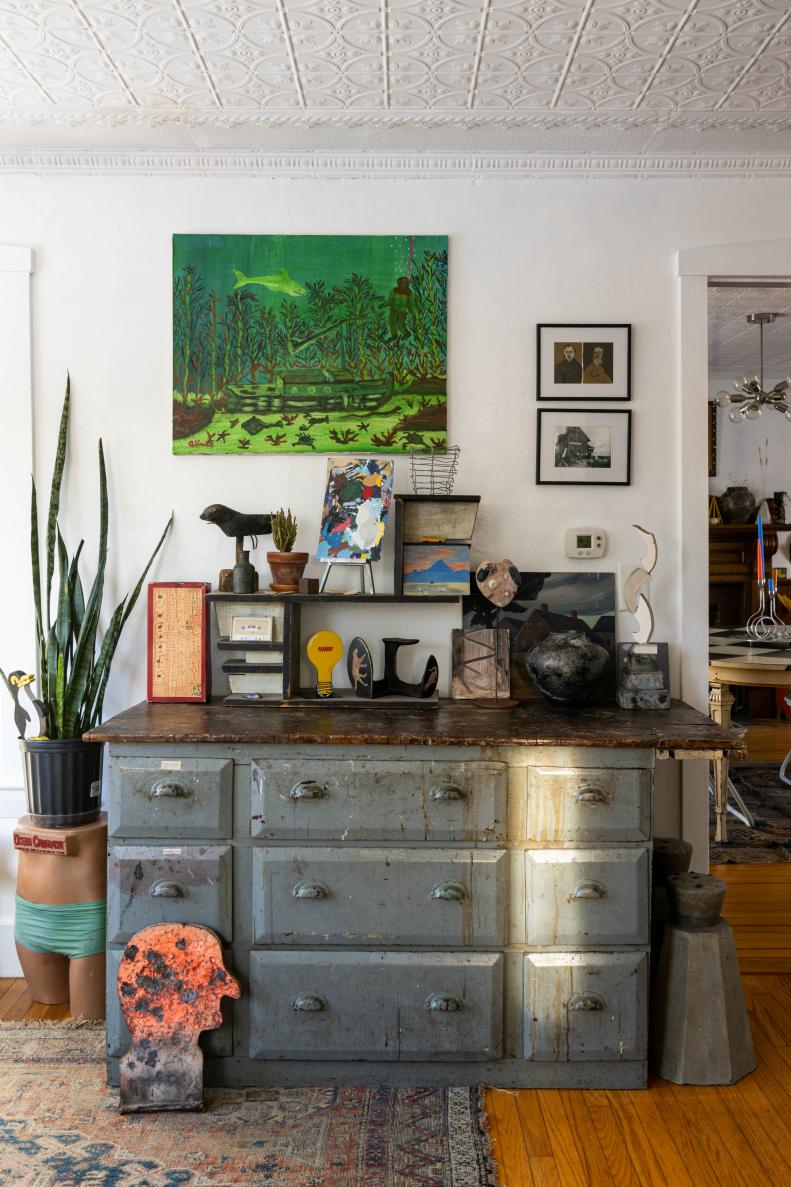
<point x="309" y="343"/>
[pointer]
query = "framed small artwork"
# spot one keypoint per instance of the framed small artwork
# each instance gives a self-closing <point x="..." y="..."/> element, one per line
<point x="584" y="362"/>
<point x="712" y="438"/>
<point x="583" y="447"/>
<point x="356" y="503"/>
<point x="436" y="569"/>
<point x="179" y="669"/>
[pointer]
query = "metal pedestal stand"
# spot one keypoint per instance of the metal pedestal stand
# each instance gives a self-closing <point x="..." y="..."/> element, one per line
<point x="362" y="565"/>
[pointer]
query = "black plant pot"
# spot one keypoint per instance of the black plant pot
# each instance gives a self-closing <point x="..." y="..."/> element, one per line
<point x="62" y="781"/>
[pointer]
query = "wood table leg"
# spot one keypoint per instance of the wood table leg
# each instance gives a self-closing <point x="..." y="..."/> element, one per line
<point x="720" y="703"/>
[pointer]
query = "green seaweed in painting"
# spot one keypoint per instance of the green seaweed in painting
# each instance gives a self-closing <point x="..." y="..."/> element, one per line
<point x="309" y="343"/>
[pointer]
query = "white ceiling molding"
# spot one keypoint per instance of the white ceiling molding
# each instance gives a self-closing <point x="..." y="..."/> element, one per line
<point x="524" y="75"/>
<point x="438" y="166"/>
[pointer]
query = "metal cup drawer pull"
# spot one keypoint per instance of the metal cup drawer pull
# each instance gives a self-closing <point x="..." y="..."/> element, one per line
<point x="165" y="889"/>
<point x="446" y="793"/>
<point x="311" y="890"/>
<point x="453" y="892"/>
<point x="308" y="789"/>
<point x="586" y="1001"/>
<point x="162" y="790"/>
<point x="442" y="1003"/>
<point x="591" y="795"/>
<point x="587" y="890"/>
<point x="309" y="1003"/>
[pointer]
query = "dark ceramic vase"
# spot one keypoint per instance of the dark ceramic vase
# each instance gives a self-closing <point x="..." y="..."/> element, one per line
<point x="567" y="666"/>
<point x="737" y="505"/>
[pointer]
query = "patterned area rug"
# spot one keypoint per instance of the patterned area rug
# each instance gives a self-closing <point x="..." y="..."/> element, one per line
<point x="59" y="1127"/>
<point x="769" y="800"/>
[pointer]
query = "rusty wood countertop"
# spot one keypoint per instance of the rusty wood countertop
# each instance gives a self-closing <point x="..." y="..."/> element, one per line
<point x="453" y="723"/>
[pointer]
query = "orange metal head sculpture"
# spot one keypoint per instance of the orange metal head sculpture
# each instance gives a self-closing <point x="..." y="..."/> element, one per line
<point x="170" y="984"/>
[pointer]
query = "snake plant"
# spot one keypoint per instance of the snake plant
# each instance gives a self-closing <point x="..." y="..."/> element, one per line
<point x="73" y="668"/>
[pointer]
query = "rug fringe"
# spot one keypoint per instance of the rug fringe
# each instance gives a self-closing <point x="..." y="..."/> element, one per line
<point x="485" y="1124"/>
<point x="49" y="1024"/>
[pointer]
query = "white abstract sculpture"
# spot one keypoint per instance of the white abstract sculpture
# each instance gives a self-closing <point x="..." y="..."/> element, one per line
<point x="638" y="580"/>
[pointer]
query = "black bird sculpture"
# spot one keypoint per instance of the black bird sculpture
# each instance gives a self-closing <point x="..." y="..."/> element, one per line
<point x="237" y="524"/>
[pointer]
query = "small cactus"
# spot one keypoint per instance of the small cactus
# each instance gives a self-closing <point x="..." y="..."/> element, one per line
<point x="284" y="530"/>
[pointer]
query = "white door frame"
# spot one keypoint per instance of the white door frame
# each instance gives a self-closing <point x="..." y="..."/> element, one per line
<point x="695" y="266"/>
<point x="17" y="638"/>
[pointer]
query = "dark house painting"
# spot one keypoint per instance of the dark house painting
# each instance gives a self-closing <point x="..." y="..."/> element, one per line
<point x="545" y="603"/>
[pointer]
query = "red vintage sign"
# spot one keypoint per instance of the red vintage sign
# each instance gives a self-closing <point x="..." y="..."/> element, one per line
<point x="32" y="842"/>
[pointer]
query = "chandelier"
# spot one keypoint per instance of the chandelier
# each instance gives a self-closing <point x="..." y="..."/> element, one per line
<point x="749" y="398"/>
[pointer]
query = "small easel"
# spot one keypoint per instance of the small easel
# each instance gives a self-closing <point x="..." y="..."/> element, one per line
<point x="351" y="562"/>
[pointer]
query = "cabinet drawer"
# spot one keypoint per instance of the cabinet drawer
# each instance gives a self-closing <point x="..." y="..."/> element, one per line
<point x="586" y="1005"/>
<point x="437" y="897"/>
<point x="151" y="884"/>
<point x="578" y="897"/>
<point x="588" y="804"/>
<point x="185" y="797"/>
<point x="214" y="1042"/>
<point x="382" y="800"/>
<point x="375" y="1005"/>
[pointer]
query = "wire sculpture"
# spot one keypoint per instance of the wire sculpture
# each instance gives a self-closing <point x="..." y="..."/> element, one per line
<point x="434" y="472"/>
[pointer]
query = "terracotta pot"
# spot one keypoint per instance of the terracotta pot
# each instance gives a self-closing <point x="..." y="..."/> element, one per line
<point x="287" y="568"/>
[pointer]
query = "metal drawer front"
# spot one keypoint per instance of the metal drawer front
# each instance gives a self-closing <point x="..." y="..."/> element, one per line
<point x="151" y="884"/>
<point x="185" y="797"/>
<point x="588" y="804"/>
<point x="586" y="1006"/>
<point x="214" y="1042"/>
<point x="579" y="897"/>
<point x="375" y="1005"/>
<point x="436" y="897"/>
<point x="377" y="799"/>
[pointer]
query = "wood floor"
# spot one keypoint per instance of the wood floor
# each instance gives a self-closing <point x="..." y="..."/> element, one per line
<point x="673" y="1136"/>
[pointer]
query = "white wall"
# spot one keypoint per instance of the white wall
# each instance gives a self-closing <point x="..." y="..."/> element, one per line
<point x="521" y="252"/>
<point x="738" y="459"/>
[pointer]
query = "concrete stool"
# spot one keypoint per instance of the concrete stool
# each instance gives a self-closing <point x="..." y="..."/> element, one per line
<point x="699" y="1032"/>
<point x="671" y="856"/>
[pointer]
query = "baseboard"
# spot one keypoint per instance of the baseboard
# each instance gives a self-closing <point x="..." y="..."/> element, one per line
<point x="9" y="963"/>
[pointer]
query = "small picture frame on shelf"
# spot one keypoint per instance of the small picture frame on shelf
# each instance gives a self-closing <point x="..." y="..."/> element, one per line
<point x="587" y="361"/>
<point x="583" y="447"/>
<point x="251" y="630"/>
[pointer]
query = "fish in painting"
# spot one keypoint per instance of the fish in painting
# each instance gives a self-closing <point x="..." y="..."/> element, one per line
<point x="356" y="504"/>
<point x="281" y="283"/>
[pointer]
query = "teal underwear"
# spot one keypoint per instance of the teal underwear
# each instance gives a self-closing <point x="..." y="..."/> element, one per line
<point x="70" y="929"/>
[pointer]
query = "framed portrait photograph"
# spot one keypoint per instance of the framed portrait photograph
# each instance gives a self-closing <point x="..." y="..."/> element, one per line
<point x="583" y="447"/>
<point x="584" y="362"/>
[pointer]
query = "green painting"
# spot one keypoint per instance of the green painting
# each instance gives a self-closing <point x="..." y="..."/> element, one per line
<point x="309" y="343"/>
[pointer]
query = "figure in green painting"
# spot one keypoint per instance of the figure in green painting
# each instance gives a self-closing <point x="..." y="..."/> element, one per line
<point x="401" y="303"/>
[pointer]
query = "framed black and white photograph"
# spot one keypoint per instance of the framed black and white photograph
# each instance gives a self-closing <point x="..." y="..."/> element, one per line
<point x="584" y="447"/>
<point x="584" y="362"/>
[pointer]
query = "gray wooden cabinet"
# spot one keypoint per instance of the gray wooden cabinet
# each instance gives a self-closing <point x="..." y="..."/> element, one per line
<point x="395" y="915"/>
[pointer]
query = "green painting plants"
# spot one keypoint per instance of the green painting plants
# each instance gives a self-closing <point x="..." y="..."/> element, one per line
<point x="309" y="343"/>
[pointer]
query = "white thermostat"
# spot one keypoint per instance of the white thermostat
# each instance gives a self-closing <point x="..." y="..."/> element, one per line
<point x="584" y="544"/>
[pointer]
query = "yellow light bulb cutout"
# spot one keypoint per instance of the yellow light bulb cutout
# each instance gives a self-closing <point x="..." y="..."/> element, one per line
<point x="325" y="648"/>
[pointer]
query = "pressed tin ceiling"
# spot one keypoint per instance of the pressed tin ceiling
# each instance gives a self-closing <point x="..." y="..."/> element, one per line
<point x="734" y="344"/>
<point x="559" y="76"/>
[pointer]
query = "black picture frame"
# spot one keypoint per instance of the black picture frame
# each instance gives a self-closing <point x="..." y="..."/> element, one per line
<point x="546" y="475"/>
<point x="712" y="438"/>
<point x="584" y="340"/>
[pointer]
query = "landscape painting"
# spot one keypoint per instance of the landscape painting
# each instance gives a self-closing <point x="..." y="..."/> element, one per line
<point x="545" y="603"/>
<point x="436" y="569"/>
<point x="309" y="343"/>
